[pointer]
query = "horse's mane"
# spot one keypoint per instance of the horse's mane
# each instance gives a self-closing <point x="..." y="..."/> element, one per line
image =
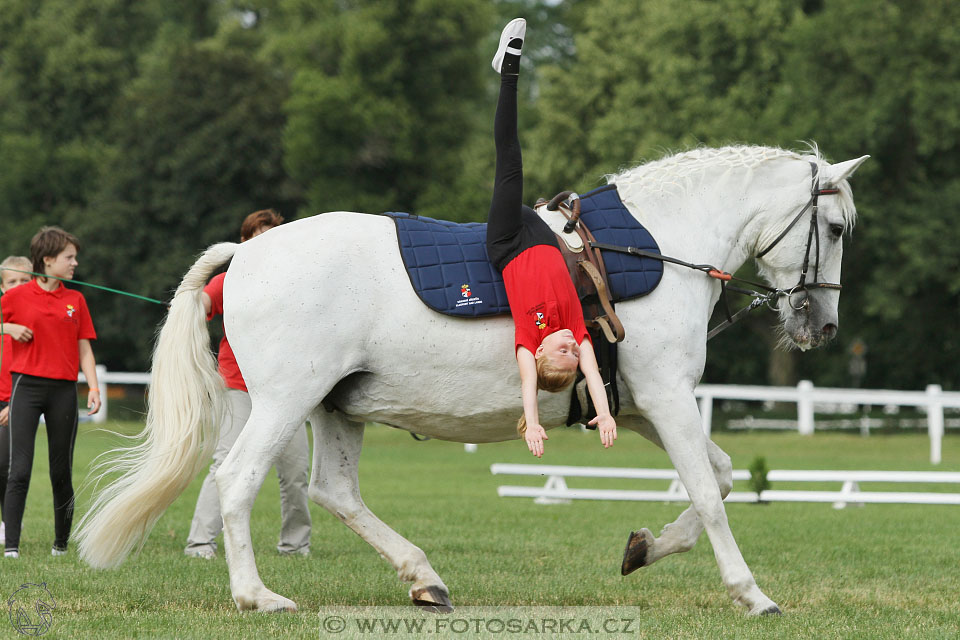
<point x="674" y="172"/>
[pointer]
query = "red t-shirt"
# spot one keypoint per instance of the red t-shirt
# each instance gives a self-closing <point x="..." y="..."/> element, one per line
<point x="6" y="384"/>
<point x="542" y="297"/>
<point x="58" y="319"/>
<point x="226" y="361"/>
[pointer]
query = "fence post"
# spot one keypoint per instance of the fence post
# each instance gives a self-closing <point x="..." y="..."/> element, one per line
<point x="706" y="412"/>
<point x="101" y="416"/>
<point x="805" y="407"/>
<point x="935" y="421"/>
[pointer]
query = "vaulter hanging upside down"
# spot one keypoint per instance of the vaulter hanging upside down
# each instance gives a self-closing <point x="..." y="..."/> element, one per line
<point x="551" y="338"/>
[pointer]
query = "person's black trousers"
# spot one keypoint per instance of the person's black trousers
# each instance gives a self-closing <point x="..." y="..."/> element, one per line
<point x="56" y="400"/>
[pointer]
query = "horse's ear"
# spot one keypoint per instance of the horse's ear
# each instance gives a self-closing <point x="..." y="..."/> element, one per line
<point x="836" y="173"/>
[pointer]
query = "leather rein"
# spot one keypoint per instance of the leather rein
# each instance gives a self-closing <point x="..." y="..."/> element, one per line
<point x="772" y="294"/>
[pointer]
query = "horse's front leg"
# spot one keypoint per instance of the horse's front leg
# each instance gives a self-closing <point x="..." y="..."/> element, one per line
<point x="334" y="486"/>
<point x="643" y="549"/>
<point x="676" y="418"/>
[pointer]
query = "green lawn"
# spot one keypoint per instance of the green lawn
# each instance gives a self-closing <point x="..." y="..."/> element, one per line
<point x="890" y="571"/>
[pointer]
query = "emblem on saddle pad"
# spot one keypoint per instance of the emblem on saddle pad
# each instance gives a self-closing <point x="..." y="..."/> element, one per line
<point x="466" y="297"/>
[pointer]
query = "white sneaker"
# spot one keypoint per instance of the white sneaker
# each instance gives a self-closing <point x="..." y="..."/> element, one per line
<point x="205" y="553"/>
<point x="11" y="554"/>
<point x="58" y="552"/>
<point x="515" y="29"/>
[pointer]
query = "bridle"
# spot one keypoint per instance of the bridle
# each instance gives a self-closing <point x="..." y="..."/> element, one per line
<point x="813" y="238"/>
<point x="773" y="294"/>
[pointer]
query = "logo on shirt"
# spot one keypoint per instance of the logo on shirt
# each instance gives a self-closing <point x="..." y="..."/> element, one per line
<point x="540" y="322"/>
<point x="465" y="290"/>
<point x="70" y="310"/>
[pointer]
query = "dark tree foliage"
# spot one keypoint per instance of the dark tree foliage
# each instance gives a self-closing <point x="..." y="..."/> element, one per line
<point x="150" y="128"/>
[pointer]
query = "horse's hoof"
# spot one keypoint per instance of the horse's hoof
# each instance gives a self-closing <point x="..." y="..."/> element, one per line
<point x="432" y="599"/>
<point x="268" y="602"/>
<point x="635" y="555"/>
<point x="772" y="611"/>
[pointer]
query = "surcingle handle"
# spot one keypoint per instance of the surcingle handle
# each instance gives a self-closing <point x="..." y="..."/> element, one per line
<point x="573" y="202"/>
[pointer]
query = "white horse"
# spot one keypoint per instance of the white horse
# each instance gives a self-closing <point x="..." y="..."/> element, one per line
<point x="326" y="327"/>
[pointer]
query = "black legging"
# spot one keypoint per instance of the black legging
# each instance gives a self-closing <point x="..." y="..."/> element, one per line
<point x="511" y="227"/>
<point x="57" y="401"/>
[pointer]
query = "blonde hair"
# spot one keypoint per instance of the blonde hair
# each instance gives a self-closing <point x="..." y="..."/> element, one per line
<point x="550" y="378"/>
<point x="15" y="263"/>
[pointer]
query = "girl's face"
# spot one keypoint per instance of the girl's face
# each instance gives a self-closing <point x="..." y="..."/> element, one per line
<point x="561" y="349"/>
<point x="63" y="265"/>
<point x="10" y="279"/>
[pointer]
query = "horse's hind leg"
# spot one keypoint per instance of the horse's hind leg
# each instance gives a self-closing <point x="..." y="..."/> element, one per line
<point x="335" y="487"/>
<point x="268" y="431"/>
<point x="643" y="549"/>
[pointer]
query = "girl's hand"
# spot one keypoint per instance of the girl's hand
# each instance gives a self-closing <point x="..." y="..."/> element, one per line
<point x="19" y="332"/>
<point x="93" y="401"/>
<point x="535" y="435"/>
<point x="607" y="427"/>
<point x="4" y="416"/>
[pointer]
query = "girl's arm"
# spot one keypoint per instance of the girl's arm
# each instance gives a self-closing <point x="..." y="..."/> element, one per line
<point x="18" y="332"/>
<point x="88" y="364"/>
<point x="535" y="434"/>
<point x="606" y="425"/>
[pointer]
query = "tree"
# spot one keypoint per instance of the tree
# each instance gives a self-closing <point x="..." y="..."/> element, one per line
<point x="866" y="76"/>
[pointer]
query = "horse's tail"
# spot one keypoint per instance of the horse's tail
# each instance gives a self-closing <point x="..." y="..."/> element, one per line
<point x="183" y="420"/>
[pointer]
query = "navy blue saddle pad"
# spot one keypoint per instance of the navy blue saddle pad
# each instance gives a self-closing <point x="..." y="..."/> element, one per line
<point x="449" y="269"/>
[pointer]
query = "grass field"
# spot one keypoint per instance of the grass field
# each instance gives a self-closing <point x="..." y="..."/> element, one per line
<point x="880" y="571"/>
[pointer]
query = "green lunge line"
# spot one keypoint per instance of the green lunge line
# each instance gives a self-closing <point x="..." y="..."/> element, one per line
<point x="89" y="284"/>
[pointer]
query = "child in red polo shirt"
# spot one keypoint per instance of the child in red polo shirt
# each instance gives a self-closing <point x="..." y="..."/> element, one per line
<point x="11" y="333"/>
<point x="44" y="377"/>
<point x="551" y="339"/>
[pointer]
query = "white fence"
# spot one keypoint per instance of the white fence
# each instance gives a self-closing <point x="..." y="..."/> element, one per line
<point x="104" y="379"/>
<point x="807" y="397"/>
<point x="933" y="400"/>
<point x="556" y="490"/>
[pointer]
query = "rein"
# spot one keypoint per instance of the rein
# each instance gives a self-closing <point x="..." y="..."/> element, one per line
<point x="772" y="294"/>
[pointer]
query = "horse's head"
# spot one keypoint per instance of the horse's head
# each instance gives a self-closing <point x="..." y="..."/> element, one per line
<point x="800" y="249"/>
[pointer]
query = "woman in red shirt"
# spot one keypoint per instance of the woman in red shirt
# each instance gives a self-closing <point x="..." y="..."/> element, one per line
<point x="551" y="339"/>
<point x="44" y="377"/>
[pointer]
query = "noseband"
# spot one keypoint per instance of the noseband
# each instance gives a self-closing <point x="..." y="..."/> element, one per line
<point x="813" y="236"/>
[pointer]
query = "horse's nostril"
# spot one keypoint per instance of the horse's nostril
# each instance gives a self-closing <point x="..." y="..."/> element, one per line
<point x="830" y="330"/>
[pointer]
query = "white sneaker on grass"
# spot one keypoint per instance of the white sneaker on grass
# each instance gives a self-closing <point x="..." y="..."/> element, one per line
<point x="205" y="553"/>
<point x="11" y="554"/>
<point x="511" y="42"/>
<point x="58" y="552"/>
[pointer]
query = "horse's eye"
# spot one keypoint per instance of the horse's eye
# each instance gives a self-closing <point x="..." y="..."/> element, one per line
<point x="836" y="230"/>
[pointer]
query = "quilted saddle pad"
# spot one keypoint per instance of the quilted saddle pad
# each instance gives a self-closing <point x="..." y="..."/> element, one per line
<point x="450" y="271"/>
